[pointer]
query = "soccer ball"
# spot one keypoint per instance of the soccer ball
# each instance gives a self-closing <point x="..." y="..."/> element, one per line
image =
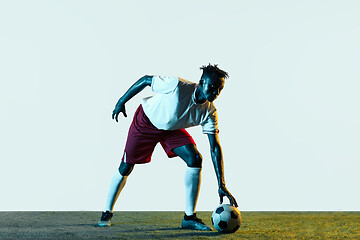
<point x="226" y="218"/>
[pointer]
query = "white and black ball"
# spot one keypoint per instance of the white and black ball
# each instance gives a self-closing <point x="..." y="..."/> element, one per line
<point x="226" y="218"/>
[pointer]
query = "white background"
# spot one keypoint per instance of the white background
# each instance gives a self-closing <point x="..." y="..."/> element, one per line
<point x="289" y="114"/>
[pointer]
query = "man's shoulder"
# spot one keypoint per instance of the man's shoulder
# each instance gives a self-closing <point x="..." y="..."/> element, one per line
<point x="186" y="82"/>
<point x="164" y="84"/>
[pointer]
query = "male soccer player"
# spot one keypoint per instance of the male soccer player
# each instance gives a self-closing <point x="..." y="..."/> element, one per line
<point x="162" y="118"/>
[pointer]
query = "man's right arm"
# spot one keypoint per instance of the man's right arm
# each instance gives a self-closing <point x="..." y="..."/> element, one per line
<point x="137" y="87"/>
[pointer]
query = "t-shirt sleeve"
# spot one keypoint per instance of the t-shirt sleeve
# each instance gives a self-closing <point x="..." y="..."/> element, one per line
<point x="164" y="85"/>
<point x="210" y="125"/>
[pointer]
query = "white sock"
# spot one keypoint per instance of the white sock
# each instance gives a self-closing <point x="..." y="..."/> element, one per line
<point x="192" y="188"/>
<point x="117" y="184"/>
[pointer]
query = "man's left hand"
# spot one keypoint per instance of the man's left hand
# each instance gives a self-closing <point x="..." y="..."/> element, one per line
<point x="224" y="192"/>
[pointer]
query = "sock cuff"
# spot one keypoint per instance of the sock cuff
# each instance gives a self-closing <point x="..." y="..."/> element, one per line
<point x="190" y="217"/>
<point x="193" y="170"/>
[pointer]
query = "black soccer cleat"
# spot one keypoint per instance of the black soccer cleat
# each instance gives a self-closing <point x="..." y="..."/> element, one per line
<point x="192" y="222"/>
<point x="105" y="220"/>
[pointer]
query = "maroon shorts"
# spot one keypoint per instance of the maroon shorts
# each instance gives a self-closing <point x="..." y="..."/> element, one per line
<point x="143" y="137"/>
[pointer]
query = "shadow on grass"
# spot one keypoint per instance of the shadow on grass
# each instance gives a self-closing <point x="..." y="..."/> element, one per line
<point x="166" y="232"/>
<point x="178" y="232"/>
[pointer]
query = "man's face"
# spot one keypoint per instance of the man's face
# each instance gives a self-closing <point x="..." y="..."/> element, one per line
<point x="211" y="88"/>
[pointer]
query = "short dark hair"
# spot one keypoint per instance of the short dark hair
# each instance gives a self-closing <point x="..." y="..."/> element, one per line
<point x="214" y="72"/>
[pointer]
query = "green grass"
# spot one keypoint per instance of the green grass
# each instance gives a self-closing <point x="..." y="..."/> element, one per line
<point x="300" y="225"/>
<point x="166" y="225"/>
<point x="255" y="225"/>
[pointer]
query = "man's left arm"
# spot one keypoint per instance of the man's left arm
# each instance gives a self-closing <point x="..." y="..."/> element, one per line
<point x="217" y="159"/>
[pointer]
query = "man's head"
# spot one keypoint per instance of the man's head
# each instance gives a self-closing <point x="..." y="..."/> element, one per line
<point x="211" y="82"/>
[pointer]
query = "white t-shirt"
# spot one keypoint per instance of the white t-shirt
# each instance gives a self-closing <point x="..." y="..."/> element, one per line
<point x="173" y="106"/>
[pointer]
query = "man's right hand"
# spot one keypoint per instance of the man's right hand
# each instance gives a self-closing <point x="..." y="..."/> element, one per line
<point x="118" y="109"/>
<point x="133" y="90"/>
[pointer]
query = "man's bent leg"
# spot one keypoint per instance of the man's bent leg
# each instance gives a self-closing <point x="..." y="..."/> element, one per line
<point x="193" y="159"/>
<point x="189" y="154"/>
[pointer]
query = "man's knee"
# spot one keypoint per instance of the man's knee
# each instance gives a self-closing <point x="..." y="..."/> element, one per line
<point x="125" y="168"/>
<point x="194" y="161"/>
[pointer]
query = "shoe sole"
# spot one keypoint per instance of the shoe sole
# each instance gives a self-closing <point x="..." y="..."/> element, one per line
<point x="104" y="224"/>
<point x="195" y="226"/>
